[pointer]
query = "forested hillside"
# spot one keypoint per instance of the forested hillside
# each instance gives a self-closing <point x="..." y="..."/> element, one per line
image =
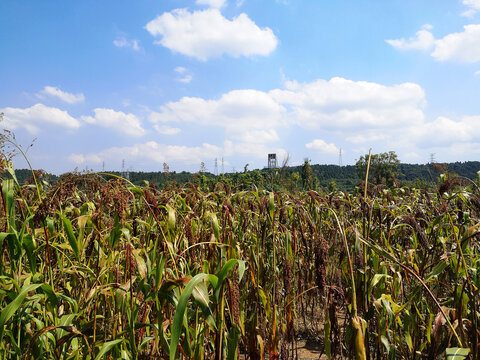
<point x="325" y="176"/>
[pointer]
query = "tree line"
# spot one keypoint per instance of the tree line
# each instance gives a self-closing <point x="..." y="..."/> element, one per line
<point x="385" y="169"/>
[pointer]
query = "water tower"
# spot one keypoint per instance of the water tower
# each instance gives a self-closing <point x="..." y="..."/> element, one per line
<point x="272" y="161"/>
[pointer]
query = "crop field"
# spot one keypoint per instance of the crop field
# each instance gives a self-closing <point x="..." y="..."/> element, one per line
<point x="93" y="267"/>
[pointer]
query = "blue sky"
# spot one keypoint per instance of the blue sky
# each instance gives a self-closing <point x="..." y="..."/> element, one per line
<point x="181" y="82"/>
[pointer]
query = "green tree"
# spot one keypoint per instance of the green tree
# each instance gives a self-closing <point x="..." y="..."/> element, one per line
<point x="383" y="168"/>
<point x="332" y="186"/>
<point x="307" y="180"/>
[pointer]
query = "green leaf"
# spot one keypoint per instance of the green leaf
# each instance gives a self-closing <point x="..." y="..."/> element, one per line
<point x="29" y="245"/>
<point x="72" y="240"/>
<point x="200" y="293"/>
<point x="180" y="312"/>
<point x="437" y="270"/>
<point x="385" y="343"/>
<point x="222" y="274"/>
<point x="408" y="339"/>
<point x="456" y="353"/>
<point x="136" y="190"/>
<point x="11" y="170"/>
<point x="233" y="336"/>
<point x="241" y="269"/>
<point x="8" y="195"/>
<point x="107" y="347"/>
<point x="216" y="227"/>
<point x="377" y="277"/>
<point x="171" y="218"/>
<point x="52" y="297"/>
<point x="141" y="266"/>
<point x="326" y="334"/>
<point x="11" y="308"/>
<point x="271" y="203"/>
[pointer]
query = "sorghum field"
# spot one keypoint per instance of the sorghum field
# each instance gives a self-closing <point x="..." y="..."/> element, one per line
<point x="93" y="267"/>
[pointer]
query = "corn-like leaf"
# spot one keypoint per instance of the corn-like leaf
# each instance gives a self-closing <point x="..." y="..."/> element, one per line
<point x="233" y="337"/>
<point x="72" y="240"/>
<point x="171" y="218"/>
<point x="456" y="353"/>
<point x="12" y="307"/>
<point x="180" y="312"/>
<point x="106" y="347"/>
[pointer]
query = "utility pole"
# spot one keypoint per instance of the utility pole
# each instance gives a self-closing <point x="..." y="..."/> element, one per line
<point x="340" y="157"/>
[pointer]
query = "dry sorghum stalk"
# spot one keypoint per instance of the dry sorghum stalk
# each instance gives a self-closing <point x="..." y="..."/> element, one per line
<point x="321" y="258"/>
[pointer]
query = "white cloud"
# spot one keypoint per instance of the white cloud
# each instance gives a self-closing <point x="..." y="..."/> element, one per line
<point x="80" y="159"/>
<point x="180" y="69"/>
<point x="461" y="46"/>
<point x="365" y="137"/>
<point x="254" y="150"/>
<point x="258" y="136"/>
<point x="36" y="117"/>
<point x="152" y="151"/>
<point x="166" y="130"/>
<point x="357" y="111"/>
<point x="128" y="124"/>
<point x="444" y="131"/>
<point x="477" y="73"/>
<point x="212" y="3"/>
<point x="123" y="42"/>
<point x="208" y="34"/>
<point x="424" y="40"/>
<point x="322" y="147"/>
<point x="345" y="104"/>
<point x="246" y="115"/>
<point x="52" y="91"/>
<point x="186" y="78"/>
<point x="474" y="7"/>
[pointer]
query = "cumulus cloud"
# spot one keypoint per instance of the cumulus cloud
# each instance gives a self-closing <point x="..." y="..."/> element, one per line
<point x="461" y="46"/>
<point x="36" y="117"/>
<point x="212" y="3"/>
<point x="185" y="76"/>
<point x="152" y="151"/>
<point x="341" y="103"/>
<point x="208" y="34"/>
<point x="444" y="131"/>
<point x="55" y="92"/>
<point x="123" y="42"/>
<point x="423" y="40"/>
<point x="366" y="136"/>
<point x="322" y="147"/>
<point x="246" y="115"/>
<point x="166" y="130"/>
<point x="128" y="124"/>
<point x="473" y="7"/>
<point x="254" y="150"/>
<point x="252" y="120"/>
